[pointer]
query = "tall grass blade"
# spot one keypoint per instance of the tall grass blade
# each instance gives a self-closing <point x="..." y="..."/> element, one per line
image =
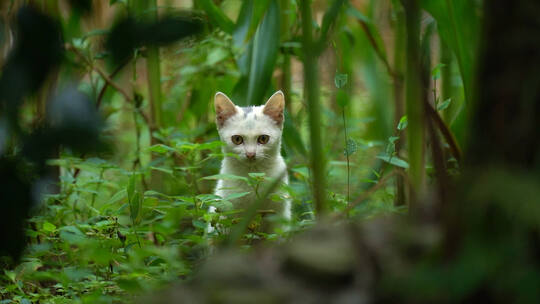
<point x="318" y="159"/>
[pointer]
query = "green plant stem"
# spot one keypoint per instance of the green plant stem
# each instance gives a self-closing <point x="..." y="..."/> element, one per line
<point x="414" y="103"/>
<point x="347" y="155"/>
<point x="318" y="160"/>
<point x="98" y="186"/>
<point x="286" y="66"/>
<point x="399" y="107"/>
<point x="154" y="73"/>
<point x="240" y="228"/>
<point x="446" y="81"/>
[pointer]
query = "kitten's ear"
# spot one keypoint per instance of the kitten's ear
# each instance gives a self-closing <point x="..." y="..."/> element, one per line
<point x="224" y="108"/>
<point x="274" y="107"/>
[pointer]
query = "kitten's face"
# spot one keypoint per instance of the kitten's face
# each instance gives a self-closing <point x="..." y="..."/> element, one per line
<point x="252" y="133"/>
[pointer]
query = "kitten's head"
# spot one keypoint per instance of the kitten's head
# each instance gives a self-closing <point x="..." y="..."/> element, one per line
<point x="252" y="133"/>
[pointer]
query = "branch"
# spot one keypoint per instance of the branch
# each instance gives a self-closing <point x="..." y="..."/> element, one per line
<point x="105" y="77"/>
<point x="366" y="194"/>
<point x="445" y="131"/>
<point x="108" y="80"/>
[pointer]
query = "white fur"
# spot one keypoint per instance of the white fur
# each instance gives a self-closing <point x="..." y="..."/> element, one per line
<point x="250" y="123"/>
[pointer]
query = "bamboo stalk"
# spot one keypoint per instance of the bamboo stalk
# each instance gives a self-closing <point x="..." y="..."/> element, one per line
<point x="154" y="73"/>
<point x="286" y="66"/>
<point x="414" y="103"/>
<point x="318" y="160"/>
<point x="399" y="106"/>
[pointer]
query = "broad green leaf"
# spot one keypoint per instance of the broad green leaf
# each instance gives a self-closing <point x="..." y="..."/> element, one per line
<point x="118" y="196"/>
<point x="216" y="55"/>
<point x="162" y="169"/>
<point x="240" y="41"/>
<point x="372" y="31"/>
<point x="72" y="235"/>
<point x="257" y="175"/>
<point x="402" y="123"/>
<point x="160" y="148"/>
<point x="259" y="8"/>
<point x="263" y="58"/>
<point x="436" y="71"/>
<point x="131" y="186"/>
<point x="49" y="227"/>
<point x="394" y="160"/>
<point x="342" y="98"/>
<point x="329" y="19"/>
<point x="135" y="199"/>
<point x="443" y="105"/>
<point x="458" y="24"/>
<point x="199" y="224"/>
<point x="216" y="15"/>
<point x="135" y="206"/>
<point x="301" y="171"/>
<point x="291" y="136"/>
<point x="225" y="177"/>
<point x="210" y="145"/>
<point x="258" y="55"/>
<point x="129" y="284"/>
<point x="236" y="195"/>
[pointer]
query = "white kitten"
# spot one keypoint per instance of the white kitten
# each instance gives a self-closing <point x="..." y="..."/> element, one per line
<point x="254" y="135"/>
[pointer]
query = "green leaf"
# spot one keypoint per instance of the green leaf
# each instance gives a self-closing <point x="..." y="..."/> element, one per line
<point x="291" y="136"/>
<point x="135" y="199"/>
<point x="329" y="19"/>
<point x="131" y="186"/>
<point x="458" y="23"/>
<point x="436" y="71"/>
<point x="263" y="59"/>
<point x="236" y="195"/>
<point x="136" y="204"/>
<point x="49" y="227"/>
<point x="217" y="17"/>
<point x="257" y="175"/>
<point x="340" y="80"/>
<point x="216" y="55"/>
<point x="402" y="123"/>
<point x="225" y="177"/>
<point x="120" y="195"/>
<point x="160" y="148"/>
<point x="72" y="235"/>
<point x="394" y="160"/>
<point x="258" y="61"/>
<point x="370" y="28"/>
<point x="342" y="98"/>
<point x="210" y="145"/>
<point x="259" y="8"/>
<point x="199" y="224"/>
<point x="443" y="105"/>
<point x="129" y="285"/>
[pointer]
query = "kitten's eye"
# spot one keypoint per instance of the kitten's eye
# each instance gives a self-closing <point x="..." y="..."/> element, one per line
<point x="237" y="139"/>
<point x="263" y="139"/>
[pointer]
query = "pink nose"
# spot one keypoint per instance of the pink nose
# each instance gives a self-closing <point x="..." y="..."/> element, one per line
<point x="250" y="155"/>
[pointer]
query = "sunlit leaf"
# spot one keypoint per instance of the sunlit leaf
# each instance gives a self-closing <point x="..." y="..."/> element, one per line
<point x="443" y="105"/>
<point x="216" y="15"/>
<point x="436" y="71"/>
<point x="394" y="160"/>
<point x="49" y="227"/>
<point x="402" y="123"/>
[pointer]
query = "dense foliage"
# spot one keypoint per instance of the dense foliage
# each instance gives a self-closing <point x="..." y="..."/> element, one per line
<point x="109" y="151"/>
